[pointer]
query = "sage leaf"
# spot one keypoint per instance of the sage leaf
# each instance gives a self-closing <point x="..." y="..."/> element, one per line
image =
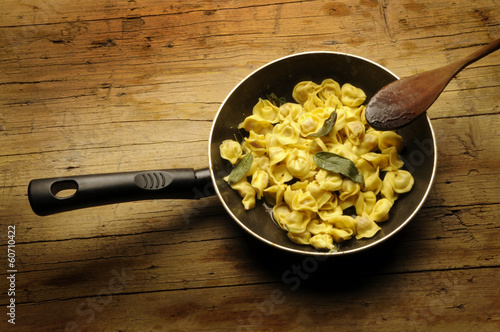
<point x="275" y="100"/>
<point x="334" y="249"/>
<point x="240" y="169"/>
<point x="327" y="126"/>
<point x="334" y="163"/>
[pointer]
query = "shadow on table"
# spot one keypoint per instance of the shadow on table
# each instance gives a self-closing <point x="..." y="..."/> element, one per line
<point x="328" y="272"/>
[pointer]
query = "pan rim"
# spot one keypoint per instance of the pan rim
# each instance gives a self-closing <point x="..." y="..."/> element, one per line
<point x="318" y="253"/>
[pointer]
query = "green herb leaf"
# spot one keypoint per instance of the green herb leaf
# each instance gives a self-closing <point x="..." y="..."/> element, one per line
<point x="275" y="100"/>
<point x="327" y="126"/>
<point x="242" y="137"/>
<point x="334" y="163"/>
<point x="335" y="249"/>
<point x="240" y="169"/>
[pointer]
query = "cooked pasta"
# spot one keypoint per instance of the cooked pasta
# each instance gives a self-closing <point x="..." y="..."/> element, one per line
<point x="313" y="205"/>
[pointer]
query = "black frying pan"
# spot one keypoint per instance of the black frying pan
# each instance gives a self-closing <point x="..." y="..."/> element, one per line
<point x="278" y="77"/>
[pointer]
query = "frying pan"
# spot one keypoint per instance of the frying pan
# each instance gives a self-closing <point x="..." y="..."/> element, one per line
<point x="278" y="77"/>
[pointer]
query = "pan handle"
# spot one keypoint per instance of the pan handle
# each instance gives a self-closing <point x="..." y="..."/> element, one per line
<point x="54" y="195"/>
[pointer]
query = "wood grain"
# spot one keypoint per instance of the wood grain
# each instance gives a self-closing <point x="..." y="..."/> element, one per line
<point x="108" y="86"/>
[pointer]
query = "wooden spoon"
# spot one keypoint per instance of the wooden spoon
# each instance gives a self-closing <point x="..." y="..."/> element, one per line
<point x="402" y="101"/>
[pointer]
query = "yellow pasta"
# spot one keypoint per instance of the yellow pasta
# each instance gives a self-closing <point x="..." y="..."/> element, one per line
<point x="231" y="150"/>
<point x="315" y="206"/>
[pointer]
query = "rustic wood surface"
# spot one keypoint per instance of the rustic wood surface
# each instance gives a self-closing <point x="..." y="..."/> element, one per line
<point x="106" y="86"/>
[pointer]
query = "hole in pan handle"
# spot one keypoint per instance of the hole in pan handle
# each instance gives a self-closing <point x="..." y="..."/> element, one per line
<point x="54" y="195"/>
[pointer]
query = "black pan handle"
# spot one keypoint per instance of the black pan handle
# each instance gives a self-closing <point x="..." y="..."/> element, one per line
<point x="54" y="195"/>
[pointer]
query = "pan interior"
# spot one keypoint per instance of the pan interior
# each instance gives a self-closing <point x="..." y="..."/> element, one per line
<point x="279" y="77"/>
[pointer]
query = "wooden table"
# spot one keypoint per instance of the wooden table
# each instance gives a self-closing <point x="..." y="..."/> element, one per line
<point x="110" y="86"/>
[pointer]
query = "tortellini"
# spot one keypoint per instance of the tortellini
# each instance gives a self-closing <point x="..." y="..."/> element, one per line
<point x="299" y="163"/>
<point x="314" y="206"/>
<point x="351" y="96"/>
<point x="231" y="150"/>
<point x="287" y="132"/>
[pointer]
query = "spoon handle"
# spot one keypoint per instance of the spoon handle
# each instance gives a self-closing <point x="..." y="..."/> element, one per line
<point x="473" y="57"/>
